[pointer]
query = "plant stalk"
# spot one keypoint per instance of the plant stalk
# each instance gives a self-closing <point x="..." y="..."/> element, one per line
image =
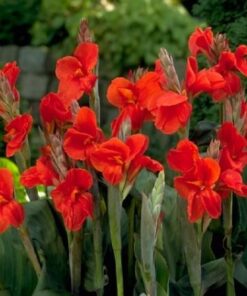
<point x="114" y="212"/>
<point x="97" y="237"/>
<point x="75" y="256"/>
<point x="131" y="240"/>
<point x="27" y="243"/>
<point x="227" y="218"/>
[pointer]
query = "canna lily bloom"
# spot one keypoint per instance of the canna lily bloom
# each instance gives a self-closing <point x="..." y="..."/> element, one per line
<point x="118" y="160"/>
<point x="201" y="42"/>
<point x="197" y="183"/>
<point x="241" y="61"/>
<point x="72" y="199"/>
<point x="75" y="73"/>
<point x="52" y="109"/>
<point x="17" y="131"/>
<point x="231" y="180"/>
<point x="233" y="153"/>
<point x="128" y="97"/>
<point x="183" y="158"/>
<point x="197" y="82"/>
<point x="11" y="72"/>
<point x="171" y="111"/>
<point x="43" y="173"/>
<point x="83" y="136"/>
<point x="11" y="212"/>
<point x="227" y="68"/>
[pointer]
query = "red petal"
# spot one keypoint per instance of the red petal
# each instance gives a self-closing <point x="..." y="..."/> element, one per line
<point x="30" y="177"/>
<point x="79" y="178"/>
<point x="195" y="208"/>
<point x="14" y="213"/>
<point x="66" y="67"/>
<point x="6" y="184"/>
<point x="241" y="54"/>
<point x="113" y="174"/>
<point x="137" y="144"/>
<point x="211" y="201"/>
<point x="182" y="159"/>
<point x="85" y="121"/>
<point x="87" y="53"/>
<point x="184" y="187"/>
<point x="121" y="92"/>
<point x="208" y="171"/>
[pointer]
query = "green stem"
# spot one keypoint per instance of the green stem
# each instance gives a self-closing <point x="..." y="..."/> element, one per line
<point x="131" y="240"/>
<point x="114" y="212"/>
<point x="227" y="217"/>
<point x="97" y="237"/>
<point x="192" y="240"/>
<point x="75" y="255"/>
<point x="27" y="243"/>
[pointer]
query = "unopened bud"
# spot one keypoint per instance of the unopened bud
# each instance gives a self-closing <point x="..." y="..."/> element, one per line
<point x="213" y="149"/>
<point x="170" y="71"/>
<point x="84" y="34"/>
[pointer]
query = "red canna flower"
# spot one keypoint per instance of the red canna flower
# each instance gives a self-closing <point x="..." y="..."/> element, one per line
<point x="201" y="42"/>
<point x="227" y="68"/>
<point x="43" y="173"/>
<point x="171" y="111"/>
<point x="11" y="72"/>
<point x="52" y="108"/>
<point x="129" y="97"/>
<point x="11" y="212"/>
<point x="160" y="71"/>
<point x="118" y="160"/>
<point x="233" y="154"/>
<point x="83" y="136"/>
<point x="75" y="73"/>
<point x="241" y="61"/>
<point x="17" y="131"/>
<point x="197" y="183"/>
<point x="183" y="158"/>
<point x="72" y="199"/>
<point x="206" y="80"/>
<point x="232" y="160"/>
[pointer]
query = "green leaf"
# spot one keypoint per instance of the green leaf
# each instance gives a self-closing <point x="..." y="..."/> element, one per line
<point x="16" y="273"/>
<point x="207" y="252"/>
<point x="213" y="274"/>
<point x="240" y="272"/>
<point x="162" y="271"/>
<point x="172" y="235"/>
<point x="157" y="196"/>
<point x="145" y="182"/>
<point x="20" y="193"/>
<point x="192" y="249"/>
<point x="48" y="238"/>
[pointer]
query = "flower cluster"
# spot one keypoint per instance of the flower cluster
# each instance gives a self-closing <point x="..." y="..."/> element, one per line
<point x="75" y="144"/>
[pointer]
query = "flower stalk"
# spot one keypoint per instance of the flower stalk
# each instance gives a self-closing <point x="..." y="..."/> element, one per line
<point x="227" y="219"/>
<point x="97" y="237"/>
<point x="75" y="255"/>
<point x="114" y="213"/>
<point x="27" y="243"/>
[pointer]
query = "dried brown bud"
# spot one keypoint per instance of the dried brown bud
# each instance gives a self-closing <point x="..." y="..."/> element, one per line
<point x="134" y="76"/>
<point x="220" y="44"/>
<point x="170" y="71"/>
<point x="57" y="154"/>
<point x="8" y="105"/>
<point x="213" y="149"/>
<point x="84" y="34"/>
